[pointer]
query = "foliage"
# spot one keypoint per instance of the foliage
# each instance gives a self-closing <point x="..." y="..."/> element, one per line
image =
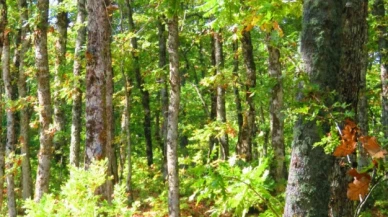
<point x="235" y="187"/>
<point x="78" y="196"/>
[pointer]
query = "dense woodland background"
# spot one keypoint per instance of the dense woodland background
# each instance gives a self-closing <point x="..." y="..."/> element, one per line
<point x="193" y="108"/>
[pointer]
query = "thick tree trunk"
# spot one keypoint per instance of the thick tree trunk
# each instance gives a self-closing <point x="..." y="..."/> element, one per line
<point x="59" y="71"/>
<point x="140" y="84"/>
<point x="276" y="117"/>
<point x="244" y="147"/>
<point x="24" y="115"/>
<point x="44" y="97"/>
<point x="354" y="35"/>
<point x="3" y="23"/>
<point x="11" y="131"/>
<point x="379" y="13"/>
<point x="99" y="89"/>
<point x="76" y="111"/>
<point x="221" y="111"/>
<point x="308" y="189"/>
<point x="172" y="125"/>
<point x="163" y="91"/>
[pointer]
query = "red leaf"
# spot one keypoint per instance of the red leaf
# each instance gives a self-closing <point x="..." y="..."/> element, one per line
<point x="348" y="139"/>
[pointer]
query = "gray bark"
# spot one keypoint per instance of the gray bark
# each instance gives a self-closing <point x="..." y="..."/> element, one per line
<point x="236" y="91"/>
<point x="76" y="112"/>
<point x="276" y="117"/>
<point x="44" y="97"/>
<point x="172" y="125"/>
<point x="11" y="133"/>
<point x="24" y="115"/>
<point x="308" y="189"/>
<point x="221" y="110"/>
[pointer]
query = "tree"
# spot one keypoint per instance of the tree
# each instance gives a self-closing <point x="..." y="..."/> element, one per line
<point x="99" y="88"/>
<point x="60" y="64"/>
<point x="308" y="188"/>
<point x="220" y="109"/>
<point x="140" y="85"/>
<point x="172" y="124"/>
<point x="3" y="23"/>
<point x="77" y="96"/>
<point x="44" y="97"/>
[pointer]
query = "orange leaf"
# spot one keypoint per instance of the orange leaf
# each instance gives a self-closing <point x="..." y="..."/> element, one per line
<point x="372" y="146"/>
<point x="346" y="148"/>
<point x="348" y="139"/>
<point x="359" y="188"/>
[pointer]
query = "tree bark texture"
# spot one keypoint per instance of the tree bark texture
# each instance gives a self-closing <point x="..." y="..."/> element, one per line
<point x="172" y="125"/>
<point x="244" y="146"/>
<point x="308" y="189"/>
<point x="44" y="97"/>
<point x="22" y="91"/>
<point x="164" y="90"/>
<point x="379" y="13"/>
<point x="213" y="103"/>
<point x="76" y="112"/>
<point x="275" y="110"/>
<point x="3" y="23"/>
<point x="10" y="143"/>
<point x="59" y="71"/>
<point x="353" y="54"/>
<point x="140" y="85"/>
<point x="221" y="110"/>
<point x="236" y="91"/>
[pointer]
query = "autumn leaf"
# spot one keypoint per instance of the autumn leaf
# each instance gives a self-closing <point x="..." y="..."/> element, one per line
<point x="348" y="139"/>
<point x="372" y="146"/>
<point x="360" y="186"/>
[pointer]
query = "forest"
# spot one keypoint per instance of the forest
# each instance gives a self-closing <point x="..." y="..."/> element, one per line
<point x="193" y="108"/>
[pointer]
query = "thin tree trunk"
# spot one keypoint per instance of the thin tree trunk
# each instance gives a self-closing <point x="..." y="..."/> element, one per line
<point x="44" y="97"/>
<point x="164" y="90"/>
<point x="221" y="111"/>
<point x="24" y="115"/>
<point x="379" y="13"/>
<point x="244" y="147"/>
<point x="11" y="134"/>
<point x="213" y="103"/>
<point x="127" y="129"/>
<point x="59" y="71"/>
<point x="237" y="99"/>
<point x="308" y="189"/>
<point x="172" y="125"/>
<point x="276" y="119"/>
<point x="77" y="96"/>
<point x="140" y="85"/>
<point x="99" y="89"/>
<point x="3" y="23"/>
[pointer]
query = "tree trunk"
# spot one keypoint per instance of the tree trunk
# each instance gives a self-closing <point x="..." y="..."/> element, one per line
<point x="99" y="88"/>
<point x="11" y="134"/>
<point x="221" y="111"/>
<point x="77" y="96"/>
<point x="354" y="35"/>
<point x="379" y="13"/>
<point x="308" y="189"/>
<point x="172" y="125"/>
<point x="24" y="115"/>
<point x="163" y="91"/>
<point x="213" y="103"/>
<point x="276" y="117"/>
<point x="59" y="71"/>
<point x="44" y="96"/>
<point x="140" y="85"/>
<point x="236" y="92"/>
<point x="244" y="147"/>
<point x="3" y="23"/>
